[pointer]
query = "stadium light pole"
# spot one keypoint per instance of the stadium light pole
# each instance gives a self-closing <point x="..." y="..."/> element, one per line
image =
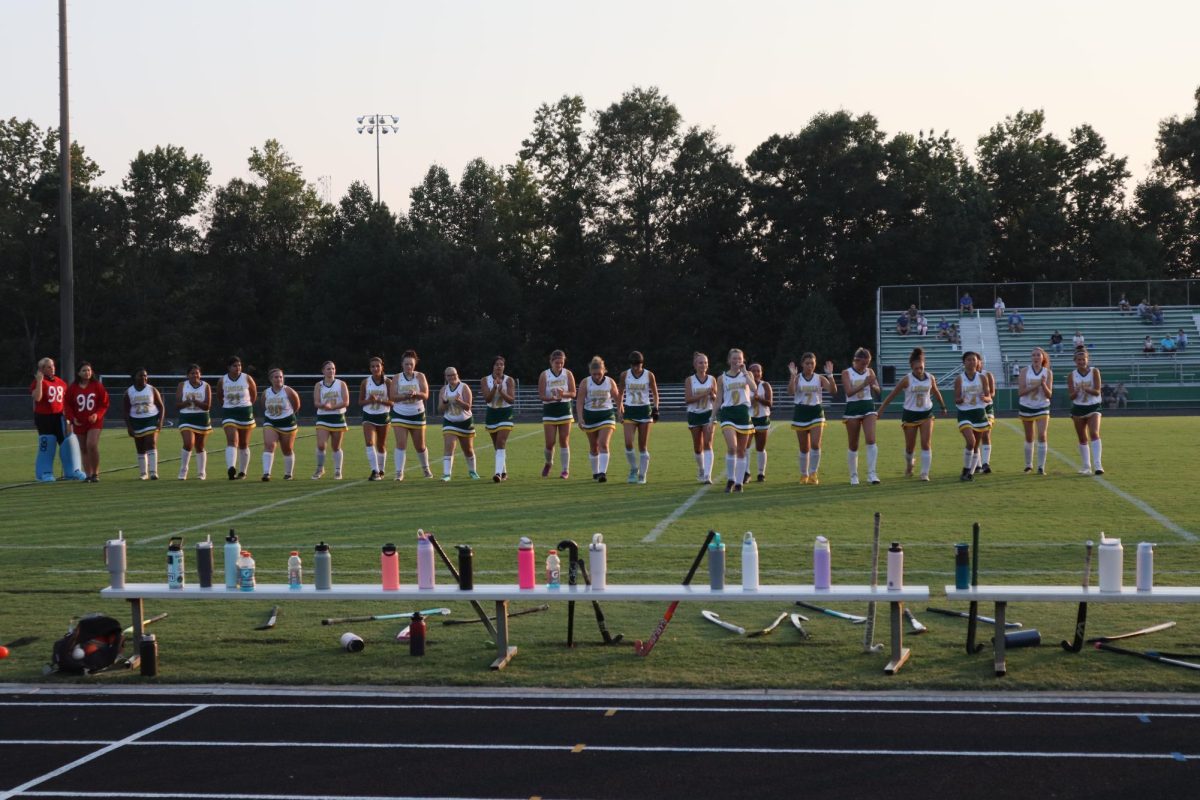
<point x="66" y="270"/>
<point x="378" y="124"/>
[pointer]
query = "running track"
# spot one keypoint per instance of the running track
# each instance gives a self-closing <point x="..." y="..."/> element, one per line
<point x="253" y="742"/>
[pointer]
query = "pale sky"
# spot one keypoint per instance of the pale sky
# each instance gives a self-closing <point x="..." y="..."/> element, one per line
<point x="220" y="76"/>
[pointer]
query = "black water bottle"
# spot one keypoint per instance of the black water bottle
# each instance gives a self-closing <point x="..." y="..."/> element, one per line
<point x="148" y="650"/>
<point x="466" y="567"/>
<point x="416" y="635"/>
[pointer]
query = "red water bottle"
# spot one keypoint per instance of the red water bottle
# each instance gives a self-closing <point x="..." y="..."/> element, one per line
<point x="416" y="635"/>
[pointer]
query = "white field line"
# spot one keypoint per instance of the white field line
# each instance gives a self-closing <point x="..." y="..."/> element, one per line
<point x="1137" y="502"/>
<point x="130" y="739"/>
<point x="245" y="796"/>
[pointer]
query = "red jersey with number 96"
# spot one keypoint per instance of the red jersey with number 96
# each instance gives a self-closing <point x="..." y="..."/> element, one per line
<point x="54" y="391"/>
<point x="82" y="402"/>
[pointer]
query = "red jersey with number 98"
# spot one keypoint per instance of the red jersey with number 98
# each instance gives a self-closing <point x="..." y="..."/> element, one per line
<point x="82" y="402"/>
<point x="54" y="391"/>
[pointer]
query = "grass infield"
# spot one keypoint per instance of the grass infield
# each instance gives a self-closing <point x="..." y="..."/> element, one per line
<point x="1032" y="532"/>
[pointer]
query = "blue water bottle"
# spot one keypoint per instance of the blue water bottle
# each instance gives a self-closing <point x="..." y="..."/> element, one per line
<point x="175" y="563"/>
<point x="962" y="566"/>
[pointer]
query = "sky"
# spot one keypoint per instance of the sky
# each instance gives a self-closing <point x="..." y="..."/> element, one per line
<point x="465" y="78"/>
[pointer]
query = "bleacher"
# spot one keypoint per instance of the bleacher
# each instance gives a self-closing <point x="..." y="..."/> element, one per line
<point x="941" y="358"/>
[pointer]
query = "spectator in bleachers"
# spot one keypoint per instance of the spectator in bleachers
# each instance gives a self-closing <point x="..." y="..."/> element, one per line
<point x="923" y="324"/>
<point x="954" y="337"/>
<point x="1143" y="310"/>
<point x="1167" y="343"/>
<point x="965" y="304"/>
<point x="1077" y="340"/>
<point x="902" y="324"/>
<point x="1123" y="305"/>
<point x="1056" y="340"/>
<point x="944" y="329"/>
<point x="1121" y="396"/>
<point x="1181" y="340"/>
<point x="913" y="313"/>
<point x="1156" y="315"/>
<point x="1148" y="345"/>
<point x="999" y="307"/>
<point x="1016" y="323"/>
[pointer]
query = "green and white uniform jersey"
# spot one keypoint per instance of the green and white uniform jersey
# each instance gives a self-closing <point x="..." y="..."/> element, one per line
<point x="989" y="409"/>
<point x="918" y="401"/>
<point x="457" y="419"/>
<point x="193" y="420"/>
<point x="499" y="414"/>
<point x="333" y="419"/>
<point x="598" y="409"/>
<point x="1037" y="404"/>
<point x="375" y="409"/>
<point x="278" y="411"/>
<point x="1086" y="400"/>
<point x="557" y="412"/>
<point x="407" y="413"/>
<point x="972" y="412"/>
<point x="143" y="411"/>
<point x="735" y="402"/>
<point x="860" y="404"/>
<point x="760" y="414"/>
<point x="808" y="413"/>
<point x="237" y="411"/>
<point x="699" y="412"/>
<point x="636" y="401"/>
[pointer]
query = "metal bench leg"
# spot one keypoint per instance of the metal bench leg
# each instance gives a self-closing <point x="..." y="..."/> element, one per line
<point x="135" y="605"/>
<point x="504" y="653"/>
<point x="998" y="640"/>
<point x="900" y="653"/>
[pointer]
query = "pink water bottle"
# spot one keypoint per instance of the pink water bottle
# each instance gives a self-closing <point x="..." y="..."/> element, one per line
<point x="389" y="565"/>
<point x="526" y="571"/>
<point x="425" y="576"/>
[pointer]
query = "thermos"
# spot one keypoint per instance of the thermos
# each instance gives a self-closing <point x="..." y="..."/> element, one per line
<point x="233" y="550"/>
<point x="716" y="563"/>
<point x="416" y="635"/>
<point x="175" y="563"/>
<point x="1112" y="557"/>
<point x="323" y="566"/>
<point x="466" y="567"/>
<point x="425" y="576"/>
<point x="1145" y="567"/>
<point x="389" y="566"/>
<point x="553" y="570"/>
<point x="598" y="561"/>
<point x="895" y="567"/>
<point x="749" y="563"/>
<point x="352" y="642"/>
<point x="148" y="654"/>
<point x="822" y="569"/>
<point x="526" y="579"/>
<point x="114" y="559"/>
<point x="245" y="569"/>
<point x="962" y="566"/>
<point x="1023" y="638"/>
<point x="295" y="571"/>
<point x="204" y="562"/>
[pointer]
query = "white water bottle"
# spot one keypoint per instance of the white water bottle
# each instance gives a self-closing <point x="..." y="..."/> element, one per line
<point x="749" y="563"/>
<point x="598" y="561"/>
<point x="895" y="567"/>
<point x="1145" y="567"/>
<point x="1112" y="558"/>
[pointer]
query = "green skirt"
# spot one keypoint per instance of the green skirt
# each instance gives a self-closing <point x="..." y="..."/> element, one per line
<point x="595" y="420"/>
<point x="805" y="418"/>
<point x="498" y="419"/>
<point x="736" y="417"/>
<point x="196" y="421"/>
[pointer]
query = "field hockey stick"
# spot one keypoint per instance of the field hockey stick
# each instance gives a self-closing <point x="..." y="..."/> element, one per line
<point x="973" y="614"/>
<point x="854" y="618"/>
<point x="869" y="643"/>
<point x="917" y="627"/>
<point x="946" y="612"/>
<point x="520" y="613"/>
<point x="270" y="623"/>
<point x="483" y="616"/>
<point x="1152" y="629"/>
<point x="608" y="637"/>
<point x="425" y="612"/>
<point x="24" y="640"/>
<point x="572" y="548"/>
<point x="129" y="630"/>
<point x="644" y="648"/>
<point x="1149" y="655"/>
<point x="769" y="628"/>
<point x="796" y="619"/>
<point x="1081" y="616"/>
<point x="715" y="619"/>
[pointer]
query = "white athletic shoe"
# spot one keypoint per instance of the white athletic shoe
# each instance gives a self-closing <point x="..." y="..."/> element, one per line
<point x="337" y="475"/>
<point x="203" y="476"/>
<point x="320" y="473"/>
<point x="925" y="476"/>
<point x="873" y="479"/>
<point x="854" y="480"/>
<point x="1085" y="472"/>
<point x="399" y="476"/>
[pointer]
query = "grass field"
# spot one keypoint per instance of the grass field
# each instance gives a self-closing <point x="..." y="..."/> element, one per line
<point x="51" y="565"/>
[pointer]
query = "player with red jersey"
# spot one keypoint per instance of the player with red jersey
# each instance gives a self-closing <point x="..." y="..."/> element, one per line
<point x="85" y="407"/>
<point x="48" y="392"/>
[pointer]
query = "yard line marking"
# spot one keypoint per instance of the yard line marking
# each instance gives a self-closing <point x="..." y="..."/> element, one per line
<point x="130" y="739"/>
<point x="1137" y="502"/>
<point x="245" y="796"/>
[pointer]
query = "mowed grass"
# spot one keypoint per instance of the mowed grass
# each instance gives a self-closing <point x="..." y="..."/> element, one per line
<point x="51" y="566"/>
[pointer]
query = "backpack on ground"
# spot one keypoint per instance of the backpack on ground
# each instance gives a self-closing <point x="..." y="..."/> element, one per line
<point x="92" y="644"/>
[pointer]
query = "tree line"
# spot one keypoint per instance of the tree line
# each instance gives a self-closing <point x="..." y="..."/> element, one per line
<point x="616" y="229"/>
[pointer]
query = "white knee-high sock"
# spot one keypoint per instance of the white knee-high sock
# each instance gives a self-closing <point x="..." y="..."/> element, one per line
<point x="470" y="462"/>
<point x="268" y="460"/>
<point x="288" y="463"/>
<point x="762" y="461"/>
<point x="908" y="458"/>
<point x="730" y="466"/>
<point x="423" y="459"/>
<point x="631" y="458"/>
<point x="371" y="460"/>
<point x="814" y="460"/>
<point x="320" y="459"/>
<point x="986" y="453"/>
<point x="381" y="457"/>
<point x="230" y="457"/>
<point x="243" y="459"/>
<point x="739" y="467"/>
<point x="593" y="461"/>
<point x="802" y="462"/>
<point x="549" y="452"/>
<point x="872" y="458"/>
<point x="564" y="455"/>
<point x="926" y="461"/>
<point x="699" y="462"/>
<point x="1029" y="455"/>
<point x="399" y="457"/>
<point x="202" y="462"/>
<point x="1085" y="456"/>
<point x="708" y="463"/>
<point x="1096" y="451"/>
<point x="337" y="460"/>
<point x="644" y="463"/>
<point x="852" y="462"/>
<point x="185" y="461"/>
<point x="152" y="460"/>
<point x="142" y="459"/>
<point x="1041" y="454"/>
<point x="976" y="457"/>
<point x="501" y="461"/>
<point x="602" y="463"/>
<point x="447" y="464"/>
<point x="968" y="458"/>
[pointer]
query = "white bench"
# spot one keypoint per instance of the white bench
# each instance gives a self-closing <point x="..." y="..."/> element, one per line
<point x="501" y="594"/>
<point x="1003" y="595"/>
